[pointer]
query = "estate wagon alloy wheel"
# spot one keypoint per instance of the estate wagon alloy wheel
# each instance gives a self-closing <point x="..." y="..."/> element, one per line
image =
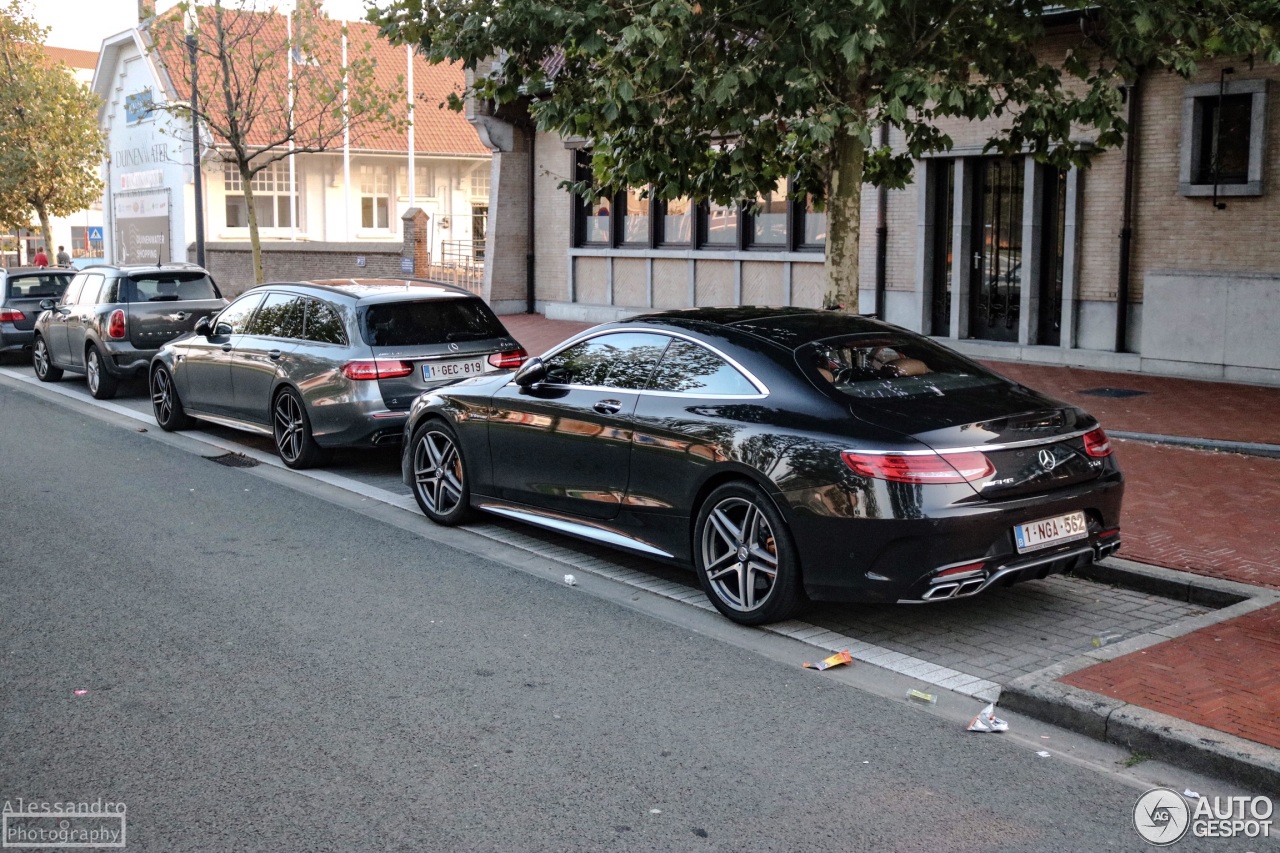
<point x="292" y="429"/>
<point x="746" y="562"/>
<point x="439" y="475"/>
<point x="45" y="371"/>
<point x="102" y="385"/>
<point x="168" y="409"/>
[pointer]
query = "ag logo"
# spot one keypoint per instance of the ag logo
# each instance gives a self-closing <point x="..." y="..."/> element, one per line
<point x="1161" y="816"/>
<point x="1047" y="460"/>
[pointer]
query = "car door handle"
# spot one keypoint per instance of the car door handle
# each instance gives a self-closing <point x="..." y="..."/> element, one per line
<point x="179" y="316"/>
<point x="226" y="347"/>
<point x="274" y="354"/>
<point x="608" y="407"/>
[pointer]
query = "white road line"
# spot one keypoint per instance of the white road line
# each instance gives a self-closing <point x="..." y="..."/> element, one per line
<point x="814" y="635"/>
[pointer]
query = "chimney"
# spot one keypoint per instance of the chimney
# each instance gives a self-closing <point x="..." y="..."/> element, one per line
<point x="146" y="9"/>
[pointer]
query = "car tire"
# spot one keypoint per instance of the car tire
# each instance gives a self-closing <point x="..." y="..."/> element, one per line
<point x="292" y="430"/>
<point x="41" y="363"/>
<point x="165" y="404"/>
<point x="745" y="558"/>
<point x="102" y="385"/>
<point x="440" y="483"/>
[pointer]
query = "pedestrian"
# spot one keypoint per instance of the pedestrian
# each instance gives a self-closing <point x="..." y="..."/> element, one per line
<point x="64" y="259"/>
<point x="41" y="259"/>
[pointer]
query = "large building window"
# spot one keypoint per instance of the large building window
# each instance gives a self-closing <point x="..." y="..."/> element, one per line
<point x="720" y="225"/>
<point x="676" y="224"/>
<point x="424" y="181"/>
<point x="636" y="209"/>
<point x="375" y="197"/>
<point x="272" y="197"/>
<point x="1223" y="138"/>
<point x="769" y="219"/>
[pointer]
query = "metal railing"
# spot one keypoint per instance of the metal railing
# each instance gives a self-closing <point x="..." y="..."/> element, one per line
<point x="461" y="263"/>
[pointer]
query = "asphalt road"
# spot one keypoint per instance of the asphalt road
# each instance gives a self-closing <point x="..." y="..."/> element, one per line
<point x="266" y="670"/>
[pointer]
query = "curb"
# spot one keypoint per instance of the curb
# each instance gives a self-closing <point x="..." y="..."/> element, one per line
<point x="1248" y="448"/>
<point x="1179" y="742"/>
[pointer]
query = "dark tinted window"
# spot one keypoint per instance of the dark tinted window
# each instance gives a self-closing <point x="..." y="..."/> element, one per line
<point x="692" y="369"/>
<point x="620" y="360"/>
<point x="42" y="286"/>
<point x="324" y="323"/>
<point x="429" y="321"/>
<point x="235" y="317"/>
<point x="92" y="286"/>
<point x="110" y="293"/>
<point x="73" y="290"/>
<point x="279" y="317"/>
<point x="171" y="287"/>
<point x="891" y="366"/>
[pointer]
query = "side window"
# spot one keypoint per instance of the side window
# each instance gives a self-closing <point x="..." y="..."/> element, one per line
<point x="688" y="368"/>
<point x="279" y="317"/>
<point x="324" y="323"/>
<point x="620" y="360"/>
<point x="72" y="292"/>
<point x="235" y="317"/>
<point x="110" y="293"/>
<point x="92" y="286"/>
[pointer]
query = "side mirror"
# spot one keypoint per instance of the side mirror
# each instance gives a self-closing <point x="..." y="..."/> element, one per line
<point x="203" y="328"/>
<point x="47" y="304"/>
<point x="531" y="372"/>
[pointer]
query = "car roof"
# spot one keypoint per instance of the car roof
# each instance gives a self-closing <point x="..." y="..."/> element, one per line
<point x="37" y="270"/>
<point x="375" y="290"/>
<point x="789" y="328"/>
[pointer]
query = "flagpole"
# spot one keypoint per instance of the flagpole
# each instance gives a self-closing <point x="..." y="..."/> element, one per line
<point x="346" y="138"/>
<point x="413" y="195"/>
<point x="293" y="175"/>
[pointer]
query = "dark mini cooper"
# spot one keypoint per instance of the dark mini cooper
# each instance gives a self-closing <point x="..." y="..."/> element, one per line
<point x="785" y="454"/>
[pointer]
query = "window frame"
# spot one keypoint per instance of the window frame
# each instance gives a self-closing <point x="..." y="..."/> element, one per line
<point x="374" y="170"/>
<point x="308" y="302"/>
<point x="1194" y="99"/>
<point x="748" y="220"/>
<point x="265" y="184"/>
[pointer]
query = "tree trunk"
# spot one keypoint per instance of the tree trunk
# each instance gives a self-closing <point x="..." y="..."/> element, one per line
<point x="46" y="231"/>
<point x="255" y="242"/>
<point x="844" y="224"/>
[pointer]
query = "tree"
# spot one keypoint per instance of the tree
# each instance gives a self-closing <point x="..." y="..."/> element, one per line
<point x="255" y="111"/>
<point x="720" y="99"/>
<point x="50" y="146"/>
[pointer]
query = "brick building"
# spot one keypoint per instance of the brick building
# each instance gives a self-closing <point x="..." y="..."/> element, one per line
<point x="336" y="213"/>
<point x="996" y="256"/>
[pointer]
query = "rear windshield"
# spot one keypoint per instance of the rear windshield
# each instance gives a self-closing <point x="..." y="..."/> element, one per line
<point x="39" y="285"/>
<point x="891" y="366"/>
<point x="430" y="321"/>
<point x="170" y="287"/>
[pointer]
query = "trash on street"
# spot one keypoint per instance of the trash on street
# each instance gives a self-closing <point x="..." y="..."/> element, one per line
<point x="838" y="659"/>
<point x="987" y="721"/>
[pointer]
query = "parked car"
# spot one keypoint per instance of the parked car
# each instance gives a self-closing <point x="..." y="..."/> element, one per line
<point x="111" y="321"/>
<point x="327" y="364"/>
<point x="784" y="454"/>
<point x="22" y="289"/>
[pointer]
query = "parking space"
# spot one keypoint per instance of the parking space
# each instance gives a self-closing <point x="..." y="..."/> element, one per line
<point x="970" y="645"/>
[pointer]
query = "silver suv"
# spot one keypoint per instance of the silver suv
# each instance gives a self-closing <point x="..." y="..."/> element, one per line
<point x="111" y="320"/>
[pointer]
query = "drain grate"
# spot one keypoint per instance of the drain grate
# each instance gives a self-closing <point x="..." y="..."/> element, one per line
<point x="1114" y="393"/>
<point x="234" y="460"/>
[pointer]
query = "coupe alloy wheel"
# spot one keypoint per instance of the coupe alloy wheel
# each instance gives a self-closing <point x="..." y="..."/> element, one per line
<point x="437" y="473"/>
<point x="740" y="554"/>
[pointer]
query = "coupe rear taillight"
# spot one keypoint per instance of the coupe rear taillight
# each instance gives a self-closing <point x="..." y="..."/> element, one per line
<point x="115" y="325"/>
<point x="966" y="467"/>
<point x="510" y="359"/>
<point x="1096" y="443"/>
<point x="8" y="315"/>
<point x="376" y="368"/>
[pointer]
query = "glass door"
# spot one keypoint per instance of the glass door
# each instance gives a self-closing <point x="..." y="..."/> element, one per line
<point x="1053" y="251"/>
<point x="995" y="290"/>
<point x="943" y="175"/>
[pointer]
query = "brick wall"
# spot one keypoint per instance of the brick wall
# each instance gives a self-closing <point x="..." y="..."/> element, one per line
<point x="232" y="263"/>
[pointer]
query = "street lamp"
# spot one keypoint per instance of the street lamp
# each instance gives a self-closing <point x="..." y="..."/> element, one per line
<point x="191" y="26"/>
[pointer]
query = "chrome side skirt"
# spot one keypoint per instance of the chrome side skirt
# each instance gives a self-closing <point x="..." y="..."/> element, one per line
<point x="584" y="530"/>
<point x="234" y="423"/>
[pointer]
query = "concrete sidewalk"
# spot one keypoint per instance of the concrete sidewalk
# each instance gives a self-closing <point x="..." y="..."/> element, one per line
<point x="1207" y="512"/>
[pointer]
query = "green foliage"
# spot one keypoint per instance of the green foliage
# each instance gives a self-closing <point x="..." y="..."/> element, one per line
<point x="659" y="86"/>
<point x="50" y="146"/>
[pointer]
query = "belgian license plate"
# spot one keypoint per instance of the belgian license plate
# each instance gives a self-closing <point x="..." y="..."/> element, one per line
<point x="433" y="371"/>
<point x="1050" y="531"/>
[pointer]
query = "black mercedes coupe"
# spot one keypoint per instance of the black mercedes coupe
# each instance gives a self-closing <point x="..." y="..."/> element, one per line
<point x="785" y="454"/>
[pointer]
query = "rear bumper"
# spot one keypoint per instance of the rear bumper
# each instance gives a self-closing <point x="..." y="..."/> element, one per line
<point x="123" y="359"/>
<point x="896" y="559"/>
<point x="13" y="339"/>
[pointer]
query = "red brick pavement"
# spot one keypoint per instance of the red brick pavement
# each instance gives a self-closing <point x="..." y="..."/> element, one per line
<point x="1224" y="677"/>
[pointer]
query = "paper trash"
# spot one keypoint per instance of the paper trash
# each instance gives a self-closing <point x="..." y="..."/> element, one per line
<point x="838" y="659"/>
<point x="987" y="721"/>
